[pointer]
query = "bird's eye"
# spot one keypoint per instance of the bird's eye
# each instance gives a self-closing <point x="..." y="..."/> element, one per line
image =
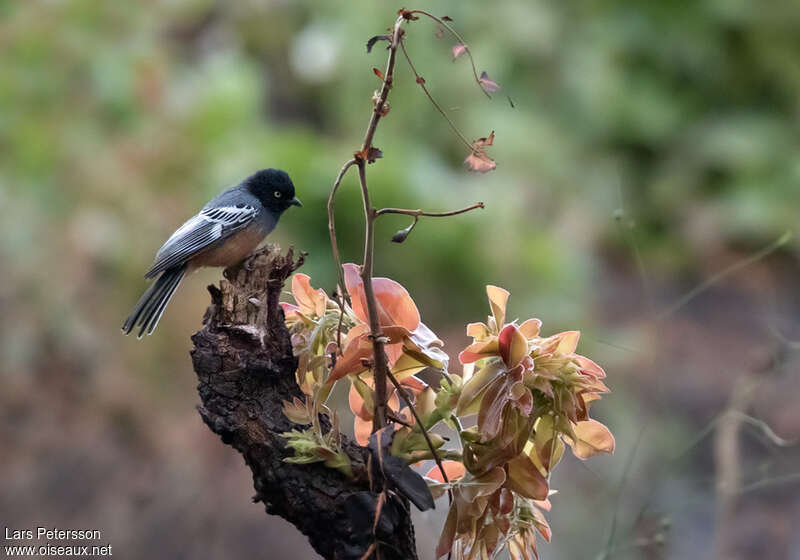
<point x="277" y="194"/>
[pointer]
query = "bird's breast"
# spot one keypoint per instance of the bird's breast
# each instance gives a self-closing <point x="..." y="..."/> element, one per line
<point x="231" y="250"/>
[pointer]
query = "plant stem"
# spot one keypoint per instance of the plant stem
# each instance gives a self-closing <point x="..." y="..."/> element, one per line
<point x="417" y="213"/>
<point x="335" y="247"/>
<point x="380" y="364"/>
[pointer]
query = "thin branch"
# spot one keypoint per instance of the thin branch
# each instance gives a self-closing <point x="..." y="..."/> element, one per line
<point x="343" y="297"/>
<point x="404" y="395"/>
<point x="461" y="42"/>
<point x="421" y="82"/>
<point x="417" y="213"/>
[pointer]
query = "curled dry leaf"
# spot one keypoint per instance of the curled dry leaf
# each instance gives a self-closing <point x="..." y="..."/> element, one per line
<point x="487" y="83"/>
<point x="478" y="160"/>
<point x="374" y="153"/>
<point x="378" y="73"/>
<point x="375" y="39"/>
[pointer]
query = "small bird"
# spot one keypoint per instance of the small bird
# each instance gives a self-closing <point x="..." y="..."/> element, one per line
<point x="225" y="231"/>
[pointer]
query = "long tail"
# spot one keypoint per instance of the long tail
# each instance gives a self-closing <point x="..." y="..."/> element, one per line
<point x="151" y="305"/>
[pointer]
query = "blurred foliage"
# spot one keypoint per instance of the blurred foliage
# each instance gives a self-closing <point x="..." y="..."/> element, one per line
<point x="118" y="120"/>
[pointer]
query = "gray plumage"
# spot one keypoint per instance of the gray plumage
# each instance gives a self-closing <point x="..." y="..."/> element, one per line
<point x="253" y="205"/>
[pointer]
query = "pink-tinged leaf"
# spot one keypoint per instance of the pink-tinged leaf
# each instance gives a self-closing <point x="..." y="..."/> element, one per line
<point x="487" y="83"/>
<point x="458" y="50"/>
<point x="453" y="469"/>
<point x="588" y="367"/>
<point x="525" y="479"/>
<point x="592" y="438"/>
<point x="290" y="311"/>
<point x="513" y="346"/>
<point x="568" y="341"/>
<point x="480" y="162"/>
<point x="498" y="298"/>
<point x="479" y="350"/>
<point x="395" y="306"/>
<point x="530" y="328"/>
<point x="544" y="504"/>
<point x="542" y="525"/>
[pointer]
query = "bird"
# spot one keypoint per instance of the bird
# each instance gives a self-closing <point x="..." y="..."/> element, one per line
<point x="223" y="233"/>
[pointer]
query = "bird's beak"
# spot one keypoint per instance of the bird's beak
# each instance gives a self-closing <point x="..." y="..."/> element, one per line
<point x="295" y="202"/>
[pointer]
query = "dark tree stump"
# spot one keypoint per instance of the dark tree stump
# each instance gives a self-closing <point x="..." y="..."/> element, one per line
<point x="244" y="363"/>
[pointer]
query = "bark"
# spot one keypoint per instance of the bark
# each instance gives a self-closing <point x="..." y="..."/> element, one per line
<point x="245" y="367"/>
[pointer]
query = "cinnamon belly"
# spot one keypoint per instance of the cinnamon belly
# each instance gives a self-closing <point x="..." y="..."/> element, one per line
<point x="232" y="250"/>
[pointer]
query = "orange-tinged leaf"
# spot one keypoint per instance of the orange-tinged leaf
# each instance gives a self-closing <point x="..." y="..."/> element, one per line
<point x="311" y="301"/>
<point x="513" y="346"/>
<point x="378" y="73"/>
<point x="453" y="469"/>
<point x="478" y="331"/>
<point x="525" y="479"/>
<point x="362" y="429"/>
<point x="479" y="350"/>
<point x="530" y="328"/>
<point x="498" y="297"/>
<point x="592" y="438"/>
<point x="395" y="306"/>
<point x="568" y="341"/>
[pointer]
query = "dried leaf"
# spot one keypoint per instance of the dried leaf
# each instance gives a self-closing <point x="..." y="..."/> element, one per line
<point x="478" y="160"/>
<point x="374" y="153"/>
<point x="375" y="39"/>
<point x="378" y="73"/>
<point x="487" y="83"/>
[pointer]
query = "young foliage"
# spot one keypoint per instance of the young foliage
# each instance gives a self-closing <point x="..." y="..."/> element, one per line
<point x="529" y="395"/>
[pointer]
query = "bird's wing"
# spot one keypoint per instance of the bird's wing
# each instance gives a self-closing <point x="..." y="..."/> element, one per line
<point x="200" y="232"/>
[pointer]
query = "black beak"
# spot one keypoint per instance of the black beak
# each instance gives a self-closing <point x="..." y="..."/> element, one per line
<point x="295" y="202"/>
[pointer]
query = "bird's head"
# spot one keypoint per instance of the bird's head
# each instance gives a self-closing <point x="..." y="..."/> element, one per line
<point x="273" y="188"/>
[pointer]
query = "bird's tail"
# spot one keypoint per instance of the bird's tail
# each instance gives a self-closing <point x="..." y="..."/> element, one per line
<point x="151" y="305"/>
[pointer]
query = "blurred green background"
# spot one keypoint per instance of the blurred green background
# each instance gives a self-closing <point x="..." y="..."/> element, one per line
<point x="644" y="149"/>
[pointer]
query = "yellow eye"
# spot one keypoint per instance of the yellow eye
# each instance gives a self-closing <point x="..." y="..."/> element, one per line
<point x="277" y="194"/>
